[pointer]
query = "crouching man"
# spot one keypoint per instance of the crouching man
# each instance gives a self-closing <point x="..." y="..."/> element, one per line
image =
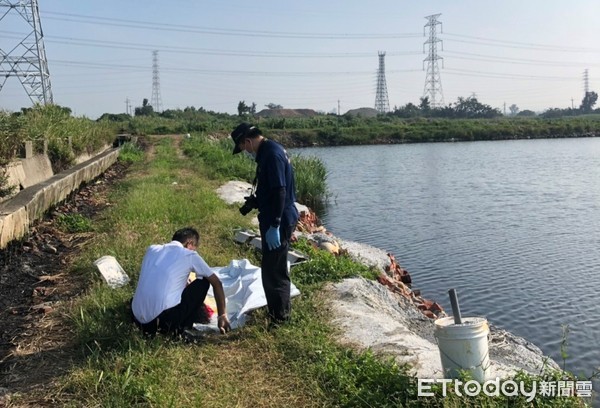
<point x="163" y="300"/>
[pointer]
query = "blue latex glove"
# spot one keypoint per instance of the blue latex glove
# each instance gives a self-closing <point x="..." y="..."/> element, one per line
<point x="272" y="238"/>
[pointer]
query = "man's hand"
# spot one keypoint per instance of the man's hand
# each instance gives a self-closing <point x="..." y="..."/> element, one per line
<point x="223" y="324"/>
<point x="222" y="320"/>
<point x="272" y="238"/>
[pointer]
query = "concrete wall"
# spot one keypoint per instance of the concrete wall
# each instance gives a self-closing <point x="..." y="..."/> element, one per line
<point x="33" y="169"/>
<point x="86" y="156"/>
<point x="27" y="172"/>
<point x="18" y="213"/>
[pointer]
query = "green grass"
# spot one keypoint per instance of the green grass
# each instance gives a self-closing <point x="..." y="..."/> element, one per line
<point x="74" y="223"/>
<point x="220" y="164"/>
<point x="67" y="136"/>
<point x="311" y="181"/>
<point x="297" y="365"/>
<point x="131" y="153"/>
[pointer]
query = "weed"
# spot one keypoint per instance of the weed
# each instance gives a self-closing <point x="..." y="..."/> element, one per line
<point x="74" y="223"/>
<point x="131" y="153"/>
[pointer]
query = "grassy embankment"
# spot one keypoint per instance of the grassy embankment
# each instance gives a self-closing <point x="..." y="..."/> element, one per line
<point x="67" y="136"/>
<point x="348" y="130"/>
<point x="331" y="130"/>
<point x="298" y="365"/>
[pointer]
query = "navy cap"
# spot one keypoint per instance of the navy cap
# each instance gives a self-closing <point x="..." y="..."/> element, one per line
<point x="239" y="134"/>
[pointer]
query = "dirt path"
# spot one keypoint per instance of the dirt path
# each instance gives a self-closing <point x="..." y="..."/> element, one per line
<point x="36" y="344"/>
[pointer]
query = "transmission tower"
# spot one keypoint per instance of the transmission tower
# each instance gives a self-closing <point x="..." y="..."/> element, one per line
<point x="26" y="60"/>
<point x="156" y="100"/>
<point x="433" y="82"/>
<point x="382" y="103"/>
<point x="586" y="82"/>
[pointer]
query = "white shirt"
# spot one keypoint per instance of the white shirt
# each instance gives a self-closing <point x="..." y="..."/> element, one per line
<point x="164" y="274"/>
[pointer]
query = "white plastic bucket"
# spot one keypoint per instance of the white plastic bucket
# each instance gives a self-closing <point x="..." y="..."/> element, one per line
<point x="464" y="346"/>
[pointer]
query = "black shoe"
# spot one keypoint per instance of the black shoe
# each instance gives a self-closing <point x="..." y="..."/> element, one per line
<point x="192" y="336"/>
<point x="277" y="323"/>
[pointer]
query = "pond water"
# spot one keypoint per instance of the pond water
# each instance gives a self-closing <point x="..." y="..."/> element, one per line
<point x="513" y="226"/>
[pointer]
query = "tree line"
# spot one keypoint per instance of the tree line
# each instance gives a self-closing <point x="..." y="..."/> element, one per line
<point x="463" y="108"/>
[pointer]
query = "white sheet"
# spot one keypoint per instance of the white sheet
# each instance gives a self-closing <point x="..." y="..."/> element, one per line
<point x="244" y="292"/>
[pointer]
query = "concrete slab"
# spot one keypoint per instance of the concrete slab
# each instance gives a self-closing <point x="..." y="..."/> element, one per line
<point x="370" y="316"/>
<point x="111" y="271"/>
<point x="31" y="203"/>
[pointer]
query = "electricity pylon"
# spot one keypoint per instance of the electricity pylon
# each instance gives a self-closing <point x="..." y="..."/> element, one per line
<point x="433" y="82"/>
<point x="156" y="99"/>
<point x="382" y="103"/>
<point x="27" y="59"/>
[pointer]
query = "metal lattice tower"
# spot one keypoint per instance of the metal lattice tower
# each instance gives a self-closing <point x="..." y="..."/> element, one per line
<point x="26" y="59"/>
<point x="586" y="82"/>
<point x="433" y="82"/>
<point x="382" y="103"/>
<point x="156" y="101"/>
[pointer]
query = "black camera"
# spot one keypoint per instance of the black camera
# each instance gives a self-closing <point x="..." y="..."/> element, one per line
<point x="250" y="204"/>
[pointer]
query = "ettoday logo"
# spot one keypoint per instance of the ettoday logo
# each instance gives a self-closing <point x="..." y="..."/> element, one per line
<point x="509" y="388"/>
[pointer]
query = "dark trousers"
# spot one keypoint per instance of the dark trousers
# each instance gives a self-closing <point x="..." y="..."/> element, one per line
<point x="276" y="277"/>
<point x="190" y="310"/>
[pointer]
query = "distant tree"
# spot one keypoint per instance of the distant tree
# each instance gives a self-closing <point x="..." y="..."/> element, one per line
<point x="62" y="110"/>
<point x="471" y="108"/>
<point x="424" y="104"/>
<point x="526" y="113"/>
<point x="588" y="102"/>
<point x="514" y="109"/>
<point x="553" y="113"/>
<point x="145" y="110"/>
<point x="410" y="110"/>
<point x="445" y="111"/>
<point x="242" y="108"/>
<point x="114" y="117"/>
<point x="253" y="108"/>
<point x="274" y="106"/>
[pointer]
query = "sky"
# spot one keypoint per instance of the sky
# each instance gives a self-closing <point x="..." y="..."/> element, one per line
<point x="313" y="54"/>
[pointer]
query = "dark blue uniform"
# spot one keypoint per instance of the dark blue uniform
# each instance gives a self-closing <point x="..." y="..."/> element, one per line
<point x="274" y="172"/>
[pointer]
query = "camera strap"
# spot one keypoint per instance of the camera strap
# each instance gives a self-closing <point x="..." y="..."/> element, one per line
<point x="255" y="181"/>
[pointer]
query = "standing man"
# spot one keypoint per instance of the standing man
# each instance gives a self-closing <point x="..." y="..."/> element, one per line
<point x="277" y="214"/>
<point x="163" y="300"/>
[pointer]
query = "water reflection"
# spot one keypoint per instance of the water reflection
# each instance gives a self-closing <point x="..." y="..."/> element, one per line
<point x="514" y="226"/>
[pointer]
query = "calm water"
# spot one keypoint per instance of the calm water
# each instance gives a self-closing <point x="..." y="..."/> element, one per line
<point x="514" y="226"/>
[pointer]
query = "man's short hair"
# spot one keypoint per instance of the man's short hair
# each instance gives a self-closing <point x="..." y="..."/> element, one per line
<point x="187" y="234"/>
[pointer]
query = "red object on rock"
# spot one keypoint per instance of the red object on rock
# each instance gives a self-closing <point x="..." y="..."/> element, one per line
<point x="398" y="272"/>
<point x="398" y="280"/>
<point x="309" y="222"/>
<point x="209" y="311"/>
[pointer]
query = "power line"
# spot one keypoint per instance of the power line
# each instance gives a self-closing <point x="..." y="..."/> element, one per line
<point x="223" y="72"/>
<point x="109" y="21"/>
<point x="517" y="44"/>
<point x="505" y="76"/>
<point x="492" y="58"/>
<point x="209" y="51"/>
<point x="239" y="53"/>
<point x="514" y="44"/>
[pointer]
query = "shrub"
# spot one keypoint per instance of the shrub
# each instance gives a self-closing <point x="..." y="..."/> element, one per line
<point x="311" y="181"/>
<point x="131" y="153"/>
<point x="74" y="223"/>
